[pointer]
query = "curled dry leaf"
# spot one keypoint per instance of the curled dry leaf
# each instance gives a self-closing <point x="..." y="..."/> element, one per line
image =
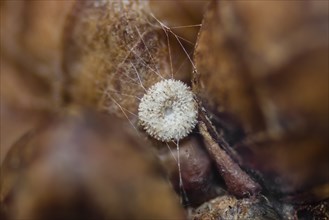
<point x="24" y="103"/>
<point x="127" y="50"/>
<point x="266" y="75"/>
<point x="31" y="35"/>
<point x="101" y="53"/>
<point x="261" y="81"/>
<point x="124" y="53"/>
<point x="84" y="165"/>
<point x="238" y="182"/>
<point x="30" y="39"/>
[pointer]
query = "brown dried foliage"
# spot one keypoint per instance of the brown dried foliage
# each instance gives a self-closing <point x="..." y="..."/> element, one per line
<point x="84" y="165"/>
<point x="267" y="75"/>
<point x="261" y="81"/>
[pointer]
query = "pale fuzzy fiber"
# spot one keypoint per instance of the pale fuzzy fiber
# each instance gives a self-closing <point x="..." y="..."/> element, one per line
<point x="166" y="94"/>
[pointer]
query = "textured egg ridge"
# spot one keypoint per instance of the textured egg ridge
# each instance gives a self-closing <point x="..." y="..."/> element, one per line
<point x="168" y="110"/>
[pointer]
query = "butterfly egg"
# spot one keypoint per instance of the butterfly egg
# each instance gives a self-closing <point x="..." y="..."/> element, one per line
<point x="168" y="110"/>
